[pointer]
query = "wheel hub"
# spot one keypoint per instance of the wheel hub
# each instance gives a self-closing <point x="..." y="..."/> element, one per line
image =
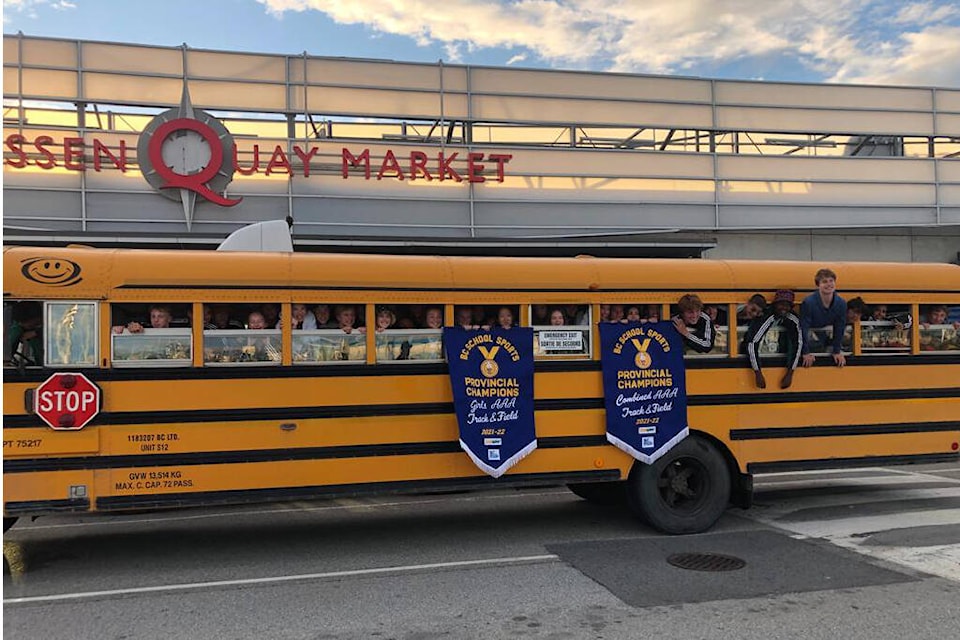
<point x="679" y="485"/>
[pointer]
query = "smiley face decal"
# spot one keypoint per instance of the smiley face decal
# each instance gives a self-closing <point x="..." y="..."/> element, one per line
<point x="57" y="272"/>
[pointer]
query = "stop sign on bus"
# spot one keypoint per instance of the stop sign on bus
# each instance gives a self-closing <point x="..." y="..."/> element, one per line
<point x="67" y="401"/>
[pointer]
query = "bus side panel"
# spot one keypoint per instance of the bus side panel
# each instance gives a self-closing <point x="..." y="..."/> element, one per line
<point x="849" y="447"/>
<point x="31" y="442"/>
<point x="376" y="474"/>
<point x="48" y="491"/>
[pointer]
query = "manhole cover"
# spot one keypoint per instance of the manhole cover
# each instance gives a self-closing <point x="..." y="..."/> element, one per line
<point x="706" y="562"/>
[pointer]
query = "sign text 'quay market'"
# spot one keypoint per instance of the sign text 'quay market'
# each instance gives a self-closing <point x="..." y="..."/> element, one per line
<point x="186" y="149"/>
<point x="74" y="154"/>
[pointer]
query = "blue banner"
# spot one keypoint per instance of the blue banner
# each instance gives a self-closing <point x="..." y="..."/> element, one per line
<point x="644" y="387"/>
<point x="491" y="373"/>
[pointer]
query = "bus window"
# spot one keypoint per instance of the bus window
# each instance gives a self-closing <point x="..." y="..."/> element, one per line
<point x="721" y="344"/>
<point x="718" y="321"/>
<point x="463" y="317"/>
<point x="822" y="338"/>
<point x="481" y="316"/>
<point x="301" y="317"/>
<point x="23" y="334"/>
<point x="8" y="347"/>
<point x="257" y="343"/>
<point x="501" y="317"/>
<point x="718" y="316"/>
<point x="318" y="346"/>
<point x="633" y="312"/>
<point x="561" y="330"/>
<point x="156" y="335"/>
<point x="886" y="329"/>
<point x="322" y="316"/>
<point x="937" y="331"/>
<point x="220" y="316"/>
<point x="338" y="336"/>
<point x="772" y="344"/>
<point x="409" y="332"/>
<point x="71" y="336"/>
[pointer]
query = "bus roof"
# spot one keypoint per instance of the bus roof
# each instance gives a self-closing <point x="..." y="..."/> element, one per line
<point x="37" y="272"/>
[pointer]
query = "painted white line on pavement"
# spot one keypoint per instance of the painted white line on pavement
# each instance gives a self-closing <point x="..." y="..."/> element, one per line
<point x="846" y="527"/>
<point x="810" y="509"/>
<point x="880" y="471"/>
<point x="275" y="579"/>
<point x="926" y="474"/>
<point x="939" y="560"/>
<point x="886" y="480"/>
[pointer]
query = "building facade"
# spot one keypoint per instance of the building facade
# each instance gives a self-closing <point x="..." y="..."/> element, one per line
<point x="130" y="145"/>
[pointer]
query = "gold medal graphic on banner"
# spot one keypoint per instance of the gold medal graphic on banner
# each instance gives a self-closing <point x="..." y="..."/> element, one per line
<point x="642" y="359"/>
<point x="489" y="367"/>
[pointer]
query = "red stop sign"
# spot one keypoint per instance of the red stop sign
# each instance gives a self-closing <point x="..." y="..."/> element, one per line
<point x="67" y="401"/>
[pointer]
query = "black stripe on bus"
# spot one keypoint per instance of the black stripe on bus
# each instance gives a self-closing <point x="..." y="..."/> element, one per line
<point x="445" y="408"/>
<point x="822" y="396"/>
<point x="824" y="360"/>
<point x="741" y="362"/>
<point x="358" y="370"/>
<point x="850" y="463"/>
<point x="586" y="289"/>
<point x="242" y="496"/>
<point x="38" y="375"/>
<point x="26" y="507"/>
<point x="87" y="463"/>
<point x="721" y="399"/>
<point x="258" y="413"/>
<point x="774" y="433"/>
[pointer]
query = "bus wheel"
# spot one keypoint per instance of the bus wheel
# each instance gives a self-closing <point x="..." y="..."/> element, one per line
<point x="685" y="491"/>
<point x="8" y="522"/>
<point x="606" y="494"/>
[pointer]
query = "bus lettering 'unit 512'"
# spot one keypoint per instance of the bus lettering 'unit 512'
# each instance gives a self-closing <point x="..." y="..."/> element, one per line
<point x="154" y="379"/>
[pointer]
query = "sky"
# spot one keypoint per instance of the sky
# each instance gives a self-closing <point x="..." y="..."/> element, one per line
<point x="899" y="42"/>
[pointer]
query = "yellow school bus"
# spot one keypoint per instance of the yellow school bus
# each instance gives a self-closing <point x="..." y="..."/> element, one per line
<point x="237" y="377"/>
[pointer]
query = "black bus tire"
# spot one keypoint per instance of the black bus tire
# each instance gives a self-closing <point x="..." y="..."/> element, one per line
<point x="605" y="494"/>
<point x="684" y="491"/>
<point x="8" y="522"/>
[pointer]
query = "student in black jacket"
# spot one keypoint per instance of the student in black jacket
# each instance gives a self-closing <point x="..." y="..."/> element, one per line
<point x="694" y="325"/>
<point x="780" y="314"/>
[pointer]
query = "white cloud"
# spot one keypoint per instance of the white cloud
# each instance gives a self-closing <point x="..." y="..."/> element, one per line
<point x="520" y="57"/>
<point x="29" y="7"/>
<point x="454" y="52"/>
<point x="18" y="6"/>
<point x="840" y="40"/>
<point x="929" y="57"/>
<point x="920" y="13"/>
